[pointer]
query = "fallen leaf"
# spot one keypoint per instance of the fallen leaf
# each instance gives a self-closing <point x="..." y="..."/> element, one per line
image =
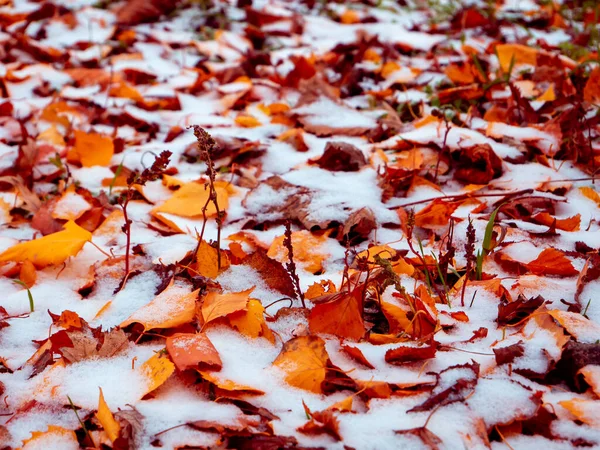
<point x="435" y="215"/>
<point x="271" y="272"/>
<point x="587" y="411"/>
<point x="339" y="314"/>
<point x="356" y="355"/>
<point x="320" y="288"/>
<point x="93" y="149"/>
<point x="189" y="350"/>
<point x="174" y="306"/>
<point x="52" y="249"/>
<point x="582" y="329"/>
<point x="251" y="322"/>
<point x="106" y="419"/>
<point x="156" y="370"/>
<point x="405" y="354"/>
<point x="207" y="261"/>
<point x="304" y="360"/>
<point x="341" y="156"/>
<point x="306" y="248"/>
<point x="454" y="384"/>
<point x="220" y="305"/>
<point x="321" y="422"/>
<point x="190" y="199"/>
<point x="552" y="262"/>
<point x="54" y="437"/>
<point x="506" y="355"/>
<point x="27" y="274"/>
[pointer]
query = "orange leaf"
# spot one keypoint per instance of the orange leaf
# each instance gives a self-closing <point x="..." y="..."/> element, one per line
<point x="320" y="288"/>
<point x="54" y="437"/>
<point x="252" y="321"/>
<point x="552" y="262"/>
<point x="460" y="74"/>
<point x="219" y="305"/>
<point x="591" y="374"/>
<point x="582" y="329"/>
<point x="356" y="355"/>
<point x="306" y="250"/>
<point x="435" y="215"/>
<point x="591" y="194"/>
<point x="207" y="261"/>
<point x="106" y="419"/>
<point x="189" y="200"/>
<point x="27" y="274"/>
<point x="338" y="314"/>
<point x="304" y="360"/>
<point x="188" y="350"/>
<point x="349" y="17"/>
<point x="321" y="422"/>
<point x="591" y="91"/>
<point x="93" y="149"/>
<point x="397" y="317"/>
<point x="157" y="370"/>
<point x="172" y="307"/>
<point x="247" y="121"/>
<point x="587" y="411"/>
<point x="569" y="224"/>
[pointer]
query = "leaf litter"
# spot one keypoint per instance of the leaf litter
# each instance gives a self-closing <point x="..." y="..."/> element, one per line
<point x="382" y="231"/>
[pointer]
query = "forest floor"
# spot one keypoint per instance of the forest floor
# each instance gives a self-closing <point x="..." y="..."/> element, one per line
<point x="299" y="224"/>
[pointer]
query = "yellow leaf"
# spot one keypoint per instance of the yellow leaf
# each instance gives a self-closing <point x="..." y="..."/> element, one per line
<point x="344" y="405"/>
<point x="591" y="194"/>
<point x="52" y="136"/>
<point x="106" y="418"/>
<point x="230" y="387"/>
<point x="219" y="305"/>
<point x="157" y="370"/>
<point x="93" y="149"/>
<point x="207" y="261"/>
<point x="247" y="121"/>
<point x="548" y="96"/>
<point x="306" y="250"/>
<point x="189" y="200"/>
<point x="252" y="321"/>
<point x="54" y="437"/>
<point x="304" y="359"/>
<point x="172" y="307"/>
<point x="522" y="54"/>
<point x="52" y="249"/>
<point x="587" y="411"/>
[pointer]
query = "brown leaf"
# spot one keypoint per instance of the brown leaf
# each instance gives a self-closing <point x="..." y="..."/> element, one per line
<point x="406" y="354"/>
<point x="139" y="11"/>
<point x="272" y="272"/>
<point x="510" y="313"/>
<point x="459" y="389"/>
<point x="341" y="156"/>
<point x="359" y="225"/>
<point x="427" y="437"/>
<point x="321" y="422"/>
<point x="505" y="355"/>
<point x="478" y="165"/>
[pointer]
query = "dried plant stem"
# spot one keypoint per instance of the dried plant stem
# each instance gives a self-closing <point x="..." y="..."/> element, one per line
<point x="206" y="146"/>
<point x="291" y="265"/>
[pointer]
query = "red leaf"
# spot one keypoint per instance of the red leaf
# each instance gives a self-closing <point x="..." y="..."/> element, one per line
<point x="552" y="262"/>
